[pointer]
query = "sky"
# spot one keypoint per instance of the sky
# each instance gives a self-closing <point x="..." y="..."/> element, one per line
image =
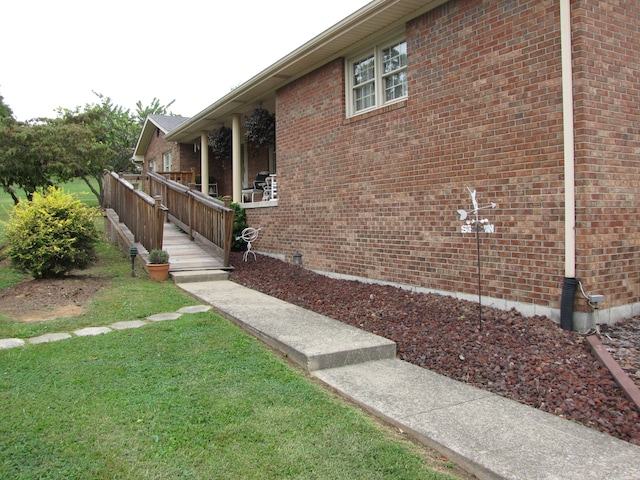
<point x="56" y="54"/>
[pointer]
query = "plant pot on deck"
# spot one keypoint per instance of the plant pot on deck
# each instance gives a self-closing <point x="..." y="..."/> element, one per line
<point x="158" y="266"/>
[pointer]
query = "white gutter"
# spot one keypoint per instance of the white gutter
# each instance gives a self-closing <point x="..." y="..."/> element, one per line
<point x="568" y="127"/>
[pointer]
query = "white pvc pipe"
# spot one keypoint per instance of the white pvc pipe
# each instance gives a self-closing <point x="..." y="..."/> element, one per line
<point x="569" y="154"/>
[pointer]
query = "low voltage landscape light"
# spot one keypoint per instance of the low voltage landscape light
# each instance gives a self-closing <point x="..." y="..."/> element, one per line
<point x="133" y="252"/>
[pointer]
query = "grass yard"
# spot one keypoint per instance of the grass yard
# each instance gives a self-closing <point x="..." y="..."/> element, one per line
<point x="193" y="398"/>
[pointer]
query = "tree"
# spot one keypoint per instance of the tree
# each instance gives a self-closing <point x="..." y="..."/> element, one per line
<point x="39" y="153"/>
<point x="113" y="127"/>
<point x="80" y="143"/>
<point x="11" y="148"/>
<point x="5" y="110"/>
<point x="156" y="108"/>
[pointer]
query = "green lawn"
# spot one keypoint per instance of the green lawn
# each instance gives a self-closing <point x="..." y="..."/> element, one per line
<point x="190" y="398"/>
<point x="193" y="398"/>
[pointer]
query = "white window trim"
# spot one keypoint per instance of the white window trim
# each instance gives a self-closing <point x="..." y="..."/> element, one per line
<point x="376" y="50"/>
<point x="168" y="154"/>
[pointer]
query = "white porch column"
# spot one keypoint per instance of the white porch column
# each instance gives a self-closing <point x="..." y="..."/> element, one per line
<point x="204" y="163"/>
<point x="236" y="156"/>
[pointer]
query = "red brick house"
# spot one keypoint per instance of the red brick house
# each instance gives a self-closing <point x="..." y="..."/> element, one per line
<point x="154" y="153"/>
<point x="387" y="121"/>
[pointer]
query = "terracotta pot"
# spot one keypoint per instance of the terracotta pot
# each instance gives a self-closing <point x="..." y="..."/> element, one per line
<point x="158" y="272"/>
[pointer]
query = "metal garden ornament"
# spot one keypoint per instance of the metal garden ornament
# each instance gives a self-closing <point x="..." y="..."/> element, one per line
<point x="477" y="225"/>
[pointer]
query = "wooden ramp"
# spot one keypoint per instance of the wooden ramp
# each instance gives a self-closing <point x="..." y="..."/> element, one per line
<point x="187" y="255"/>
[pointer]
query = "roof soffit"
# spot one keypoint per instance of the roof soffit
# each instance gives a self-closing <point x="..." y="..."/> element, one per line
<point x="373" y="20"/>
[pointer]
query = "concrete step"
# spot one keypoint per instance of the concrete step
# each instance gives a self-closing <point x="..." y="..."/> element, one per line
<point x="199" y="276"/>
<point x="312" y="340"/>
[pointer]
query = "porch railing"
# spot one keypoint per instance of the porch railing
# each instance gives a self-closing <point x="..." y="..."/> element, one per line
<point x="142" y="214"/>
<point x="181" y="177"/>
<point x="204" y="218"/>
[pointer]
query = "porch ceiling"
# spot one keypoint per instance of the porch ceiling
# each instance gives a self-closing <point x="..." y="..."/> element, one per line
<point x="373" y="19"/>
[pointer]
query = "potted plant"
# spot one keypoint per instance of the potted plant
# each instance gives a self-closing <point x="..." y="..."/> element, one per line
<point x="158" y="265"/>
<point x="220" y="142"/>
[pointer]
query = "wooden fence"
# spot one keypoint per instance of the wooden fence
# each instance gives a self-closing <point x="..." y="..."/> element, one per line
<point x="142" y="214"/>
<point x="204" y="218"/>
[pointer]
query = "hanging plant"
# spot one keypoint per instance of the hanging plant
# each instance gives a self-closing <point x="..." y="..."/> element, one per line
<point x="220" y="141"/>
<point x="261" y="128"/>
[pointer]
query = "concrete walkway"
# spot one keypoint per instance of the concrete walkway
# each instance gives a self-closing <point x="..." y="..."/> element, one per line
<point x="487" y="435"/>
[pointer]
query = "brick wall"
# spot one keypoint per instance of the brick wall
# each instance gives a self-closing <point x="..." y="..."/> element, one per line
<point x="376" y="195"/>
<point x="183" y="155"/>
<point x="607" y="95"/>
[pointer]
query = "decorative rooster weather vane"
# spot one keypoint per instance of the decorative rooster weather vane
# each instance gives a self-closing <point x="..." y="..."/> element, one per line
<point x="477" y="225"/>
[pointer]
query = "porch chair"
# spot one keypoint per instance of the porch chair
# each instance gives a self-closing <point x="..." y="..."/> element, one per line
<point x="261" y="180"/>
<point x="258" y="186"/>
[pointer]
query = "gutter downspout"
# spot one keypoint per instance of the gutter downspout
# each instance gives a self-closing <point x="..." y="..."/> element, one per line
<point x="570" y="282"/>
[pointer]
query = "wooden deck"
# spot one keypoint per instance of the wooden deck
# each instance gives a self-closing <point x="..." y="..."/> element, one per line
<point x="186" y="255"/>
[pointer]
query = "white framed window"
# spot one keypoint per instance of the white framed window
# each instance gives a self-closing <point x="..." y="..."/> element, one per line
<point x="377" y="76"/>
<point x="167" y="163"/>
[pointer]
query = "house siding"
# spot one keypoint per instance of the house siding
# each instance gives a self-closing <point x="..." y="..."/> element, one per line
<point x="375" y="196"/>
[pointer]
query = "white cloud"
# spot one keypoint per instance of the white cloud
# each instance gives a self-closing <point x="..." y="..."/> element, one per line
<point x="193" y="51"/>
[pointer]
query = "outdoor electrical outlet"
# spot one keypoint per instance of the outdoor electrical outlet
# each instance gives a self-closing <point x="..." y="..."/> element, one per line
<point x="596" y="298"/>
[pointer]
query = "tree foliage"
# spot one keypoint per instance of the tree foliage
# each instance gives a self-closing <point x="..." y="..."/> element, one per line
<point x="79" y="143"/>
<point x="155" y="108"/>
<point x="5" y="110"/>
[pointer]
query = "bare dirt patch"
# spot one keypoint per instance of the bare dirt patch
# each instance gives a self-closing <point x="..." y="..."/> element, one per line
<point x="46" y="299"/>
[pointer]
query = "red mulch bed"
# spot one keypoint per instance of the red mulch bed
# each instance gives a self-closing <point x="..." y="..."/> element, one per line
<point x="527" y="359"/>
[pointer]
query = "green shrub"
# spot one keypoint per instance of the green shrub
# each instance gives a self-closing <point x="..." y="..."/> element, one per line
<point x="158" y="257"/>
<point x="239" y="224"/>
<point x="51" y="235"/>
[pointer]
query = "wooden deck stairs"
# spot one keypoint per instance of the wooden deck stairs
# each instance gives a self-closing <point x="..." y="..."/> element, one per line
<point x="190" y="261"/>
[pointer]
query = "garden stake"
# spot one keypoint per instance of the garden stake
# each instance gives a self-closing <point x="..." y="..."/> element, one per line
<point x="477" y="225"/>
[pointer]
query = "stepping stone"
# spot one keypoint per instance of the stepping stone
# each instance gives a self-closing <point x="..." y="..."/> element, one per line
<point x="49" y="337"/>
<point x="161" y="317"/>
<point x="11" y="343"/>
<point x="90" y="331"/>
<point x="128" y="324"/>
<point x="195" y="309"/>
